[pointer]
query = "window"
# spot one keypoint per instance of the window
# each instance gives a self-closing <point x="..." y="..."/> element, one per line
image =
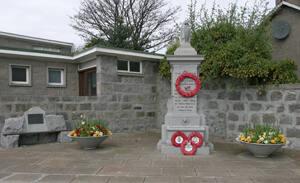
<point x="56" y="77"/>
<point x="20" y="75"/>
<point x="129" y="66"/>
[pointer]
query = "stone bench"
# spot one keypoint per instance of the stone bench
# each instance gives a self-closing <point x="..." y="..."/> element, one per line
<point x="33" y="122"/>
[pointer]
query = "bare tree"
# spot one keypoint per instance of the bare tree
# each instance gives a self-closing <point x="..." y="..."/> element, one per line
<point x="132" y="24"/>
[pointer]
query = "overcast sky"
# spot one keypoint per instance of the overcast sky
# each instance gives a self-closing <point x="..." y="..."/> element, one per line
<point x="50" y="18"/>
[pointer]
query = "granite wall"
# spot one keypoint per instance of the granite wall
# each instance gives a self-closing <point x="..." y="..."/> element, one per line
<point x="39" y="85"/>
<point x="229" y="111"/>
<point x="119" y="116"/>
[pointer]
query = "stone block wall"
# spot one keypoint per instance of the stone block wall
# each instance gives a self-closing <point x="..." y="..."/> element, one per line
<point x="229" y="111"/>
<point x="119" y="116"/>
<point x="39" y="84"/>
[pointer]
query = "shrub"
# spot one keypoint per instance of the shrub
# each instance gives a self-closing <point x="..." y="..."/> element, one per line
<point x="237" y="46"/>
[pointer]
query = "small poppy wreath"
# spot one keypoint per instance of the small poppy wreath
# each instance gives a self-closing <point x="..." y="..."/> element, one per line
<point x="178" y="138"/>
<point x="187" y="148"/>
<point x="183" y="77"/>
<point x="196" y="139"/>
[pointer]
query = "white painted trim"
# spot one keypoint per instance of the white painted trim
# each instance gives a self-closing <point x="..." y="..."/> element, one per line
<point x="62" y="76"/>
<point x="86" y="53"/>
<point x="128" y="67"/>
<point x="284" y="3"/>
<point x="20" y="83"/>
<point x="35" y="39"/>
<point x="118" y="52"/>
<point x="291" y="5"/>
<point x="43" y="55"/>
<point x="86" y="68"/>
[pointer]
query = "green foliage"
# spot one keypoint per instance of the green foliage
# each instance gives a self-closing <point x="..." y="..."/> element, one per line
<point x="118" y="35"/>
<point x="262" y="134"/>
<point x="164" y="67"/>
<point x="237" y="46"/>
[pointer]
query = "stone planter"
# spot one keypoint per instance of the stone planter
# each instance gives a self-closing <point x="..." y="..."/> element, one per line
<point x="88" y="143"/>
<point x="261" y="150"/>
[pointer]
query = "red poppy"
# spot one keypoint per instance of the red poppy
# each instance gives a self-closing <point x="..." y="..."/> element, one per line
<point x="183" y="92"/>
<point x="187" y="148"/>
<point x="178" y="138"/>
<point x="196" y="138"/>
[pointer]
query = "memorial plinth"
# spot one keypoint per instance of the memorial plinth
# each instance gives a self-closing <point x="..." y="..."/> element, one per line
<point x="183" y="114"/>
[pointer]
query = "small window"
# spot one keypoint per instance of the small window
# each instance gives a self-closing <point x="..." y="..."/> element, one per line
<point x="129" y="66"/>
<point x="56" y="77"/>
<point x="122" y="65"/>
<point x="20" y="75"/>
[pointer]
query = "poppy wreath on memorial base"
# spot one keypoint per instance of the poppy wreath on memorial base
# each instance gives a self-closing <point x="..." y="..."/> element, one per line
<point x="187" y="148"/>
<point x="188" y="145"/>
<point x="178" y="138"/>
<point x="196" y="139"/>
<point x="192" y="76"/>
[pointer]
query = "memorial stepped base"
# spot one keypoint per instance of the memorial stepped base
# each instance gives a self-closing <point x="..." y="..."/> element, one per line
<point x="168" y="149"/>
<point x="165" y="144"/>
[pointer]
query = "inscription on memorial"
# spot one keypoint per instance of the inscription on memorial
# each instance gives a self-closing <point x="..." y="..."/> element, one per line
<point x="182" y="104"/>
<point x="34" y="119"/>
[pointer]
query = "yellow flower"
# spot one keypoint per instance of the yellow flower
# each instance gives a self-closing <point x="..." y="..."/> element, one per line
<point x="283" y="140"/>
<point x="273" y="141"/>
<point x="242" y="138"/>
<point x="72" y="133"/>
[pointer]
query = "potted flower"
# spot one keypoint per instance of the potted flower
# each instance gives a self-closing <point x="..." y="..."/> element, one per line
<point x="89" y="134"/>
<point x="262" y="140"/>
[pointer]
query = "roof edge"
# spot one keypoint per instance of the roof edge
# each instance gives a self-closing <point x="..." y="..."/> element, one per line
<point x="284" y="3"/>
<point x="35" y="39"/>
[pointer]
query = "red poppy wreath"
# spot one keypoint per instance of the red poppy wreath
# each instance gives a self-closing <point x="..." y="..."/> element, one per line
<point x="196" y="139"/>
<point x="191" y="93"/>
<point x="187" y="148"/>
<point x="178" y="138"/>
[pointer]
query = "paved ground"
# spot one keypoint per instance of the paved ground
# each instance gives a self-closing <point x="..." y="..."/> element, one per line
<point x="133" y="158"/>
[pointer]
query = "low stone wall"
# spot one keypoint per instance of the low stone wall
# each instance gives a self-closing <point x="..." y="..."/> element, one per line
<point x="229" y="111"/>
<point x="126" y="113"/>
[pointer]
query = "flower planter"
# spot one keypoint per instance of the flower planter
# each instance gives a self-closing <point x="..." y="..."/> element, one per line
<point x="89" y="143"/>
<point x="261" y="150"/>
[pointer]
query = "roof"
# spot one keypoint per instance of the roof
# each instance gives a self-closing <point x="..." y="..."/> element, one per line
<point x="83" y="56"/>
<point x="18" y="36"/>
<point x="284" y="4"/>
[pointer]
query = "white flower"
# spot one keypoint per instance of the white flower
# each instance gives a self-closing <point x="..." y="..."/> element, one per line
<point x="81" y="115"/>
<point x="83" y="123"/>
<point x="266" y="141"/>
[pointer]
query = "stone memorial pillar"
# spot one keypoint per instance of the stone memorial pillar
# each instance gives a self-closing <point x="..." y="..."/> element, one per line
<point x="183" y="121"/>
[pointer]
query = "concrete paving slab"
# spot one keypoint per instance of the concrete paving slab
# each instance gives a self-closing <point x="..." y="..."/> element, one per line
<point x="91" y="179"/>
<point x="126" y="179"/>
<point x="167" y="179"/>
<point x="133" y="157"/>
<point x="57" y="179"/>
<point x="22" y="178"/>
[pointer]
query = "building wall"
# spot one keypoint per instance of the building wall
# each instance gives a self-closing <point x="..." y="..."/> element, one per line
<point x="38" y="79"/>
<point x="227" y="112"/>
<point x="125" y="102"/>
<point x="289" y="47"/>
<point x="10" y="42"/>
<point x="136" y="95"/>
<point x="296" y="2"/>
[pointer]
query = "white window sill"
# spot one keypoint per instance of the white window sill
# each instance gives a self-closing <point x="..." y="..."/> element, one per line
<point x="56" y="86"/>
<point x="20" y="84"/>
<point x="130" y="74"/>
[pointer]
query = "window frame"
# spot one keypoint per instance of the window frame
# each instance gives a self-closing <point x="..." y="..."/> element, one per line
<point x="20" y="83"/>
<point x="62" y="77"/>
<point x="128" y="67"/>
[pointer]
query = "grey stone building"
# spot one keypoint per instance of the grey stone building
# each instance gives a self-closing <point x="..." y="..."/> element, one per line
<point x="286" y="30"/>
<point x="117" y="85"/>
